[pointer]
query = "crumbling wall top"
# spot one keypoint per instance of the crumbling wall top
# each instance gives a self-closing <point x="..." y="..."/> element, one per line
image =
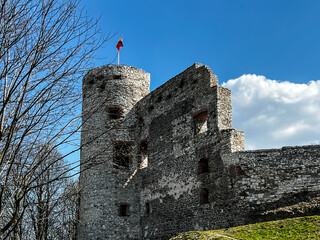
<point x="197" y="70"/>
<point x="115" y="72"/>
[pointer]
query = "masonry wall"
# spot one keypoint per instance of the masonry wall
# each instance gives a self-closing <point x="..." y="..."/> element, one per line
<point x="268" y="179"/>
<point x="187" y="168"/>
<point x="171" y="186"/>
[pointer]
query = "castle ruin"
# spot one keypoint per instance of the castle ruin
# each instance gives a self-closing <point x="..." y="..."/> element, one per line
<point x="156" y="164"/>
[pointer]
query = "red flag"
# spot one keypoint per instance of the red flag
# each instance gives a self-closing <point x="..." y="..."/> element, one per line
<point x="119" y="44"/>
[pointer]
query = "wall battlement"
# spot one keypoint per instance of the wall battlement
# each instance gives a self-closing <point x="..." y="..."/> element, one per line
<point x="155" y="164"/>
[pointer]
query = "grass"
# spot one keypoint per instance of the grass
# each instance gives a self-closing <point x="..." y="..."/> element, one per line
<point x="291" y="228"/>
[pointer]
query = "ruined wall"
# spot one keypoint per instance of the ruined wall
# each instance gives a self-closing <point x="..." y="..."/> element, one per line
<point x="268" y="179"/>
<point x="155" y="164"/>
<point x="172" y="184"/>
<point x="109" y="204"/>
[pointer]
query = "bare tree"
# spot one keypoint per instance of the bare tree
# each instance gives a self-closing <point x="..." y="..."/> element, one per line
<point x="67" y="210"/>
<point x="51" y="212"/>
<point x="44" y="199"/>
<point x="45" y="48"/>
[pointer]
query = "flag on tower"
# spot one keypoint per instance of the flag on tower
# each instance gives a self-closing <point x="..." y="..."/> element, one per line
<point x="119" y="44"/>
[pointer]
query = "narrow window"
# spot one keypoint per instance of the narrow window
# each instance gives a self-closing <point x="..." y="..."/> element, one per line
<point x="121" y="77"/>
<point x="140" y="120"/>
<point x="91" y="81"/>
<point x="203" y="166"/>
<point x="159" y="99"/>
<point x="114" y="112"/>
<point x="143" y="154"/>
<point x="147" y="208"/>
<point x="182" y="82"/>
<point x="200" y="122"/>
<point x="124" y="209"/>
<point x="204" y="196"/>
<point x="122" y="155"/>
<point x="150" y="108"/>
<point x="144" y="147"/>
<point x="102" y="87"/>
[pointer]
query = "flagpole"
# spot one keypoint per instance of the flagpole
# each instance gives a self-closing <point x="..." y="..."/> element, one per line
<point x="119" y="45"/>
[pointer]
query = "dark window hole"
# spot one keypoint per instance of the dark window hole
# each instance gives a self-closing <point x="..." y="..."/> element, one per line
<point x="91" y="81"/>
<point x="122" y="155"/>
<point x="119" y="77"/>
<point x="200" y="122"/>
<point x="204" y="196"/>
<point x="181" y="85"/>
<point x="147" y="208"/>
<point x="203" y="166"/>
<point x="150" y="108"/>
<point x="102" y="87"/>
<point x="159" y="99"/>
<point x="124" y="209"/>
<point x="114" y="112"/>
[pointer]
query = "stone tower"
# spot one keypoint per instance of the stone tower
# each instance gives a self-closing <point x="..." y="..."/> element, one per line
<point x="109" y="159"/>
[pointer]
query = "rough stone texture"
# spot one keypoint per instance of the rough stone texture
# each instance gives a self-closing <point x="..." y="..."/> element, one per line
<point x="267" y="179"/>
<point x="103" y="186"/>
<point x="165" y="186"/>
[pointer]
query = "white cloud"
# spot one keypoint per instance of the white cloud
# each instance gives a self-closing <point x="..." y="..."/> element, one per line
<point x="273" y="114"/>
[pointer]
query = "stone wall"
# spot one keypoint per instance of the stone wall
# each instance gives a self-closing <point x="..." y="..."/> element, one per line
<point x="184" y="167"/>
<point x="172" y="185"/>
<point x="268" y="179"/>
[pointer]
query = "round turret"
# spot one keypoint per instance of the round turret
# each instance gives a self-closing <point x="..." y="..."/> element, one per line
<point x="118" y="85"/>
<point x="108" y="204"/>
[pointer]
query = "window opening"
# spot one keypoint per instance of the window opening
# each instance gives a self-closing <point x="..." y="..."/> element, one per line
<point x="147" y="208"/>
<point x="159" y="99"/>
<point x="124" y="209"/>
<point x="204" y="196"/>
<point x="144" y="147"/>
<point x="140" y="120"/>
<point x="91" y="81"/>
<point x="200" y="122"/>
<point x="102" y="87"/>
<point x="181" y="83"/>
<point x="119" y="77"/>
<point x="150" y="108"/>
<point x="114" y="112"/>
<point x="122" y="155"/>
<point x="143" y="154"/>
<point x="203" y="166"/>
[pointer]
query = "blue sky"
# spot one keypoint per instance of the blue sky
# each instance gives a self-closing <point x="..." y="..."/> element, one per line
<point x="238" y="39"/>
